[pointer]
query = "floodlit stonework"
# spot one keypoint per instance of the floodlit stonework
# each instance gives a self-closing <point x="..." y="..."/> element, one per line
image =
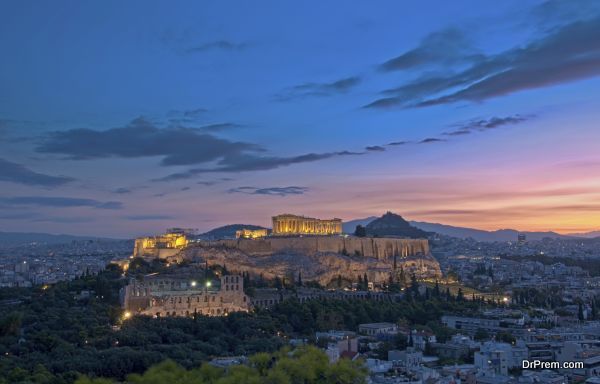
<point x="160" y="296"/>
<point x="286" y="224"/>
<point x="161" y="246"/>
<point x="245" y="233"/>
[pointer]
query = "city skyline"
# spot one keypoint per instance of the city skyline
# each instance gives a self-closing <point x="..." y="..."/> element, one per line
<point x="125" y="119"/>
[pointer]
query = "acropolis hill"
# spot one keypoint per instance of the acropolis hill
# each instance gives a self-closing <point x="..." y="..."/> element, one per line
<point x="317" y="257"/>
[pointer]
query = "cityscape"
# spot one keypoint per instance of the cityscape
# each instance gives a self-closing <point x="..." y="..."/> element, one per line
<point x="300" y="193"/>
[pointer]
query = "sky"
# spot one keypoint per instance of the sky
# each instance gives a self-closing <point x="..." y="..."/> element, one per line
<point x="126" y="118"/>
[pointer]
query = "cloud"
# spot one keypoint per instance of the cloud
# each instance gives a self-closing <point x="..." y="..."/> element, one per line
<point x="19" y="216"/>
<point x="396" y="143"/>
<point x="175" y="146"/>
<point x="246" y="163"/>
<point x="218" y="45"/>
<point x="17" y="173"/>
<point x="318" y="89"/>
<point x="59" y="202"/>
<point x="196" y="112"/>
<point x="448" y="46"/>
<point x="430" y="140"/>
<point x="141" y="138"/>
<point x="553" y="13"/>
<point x="185" y="189"/>
<point x="206" y="183"/>
<point x="486" y="124"/>
<point x="66" y="220"/>
<point x="186" y="116"/>
<point x="271" y="191"/>
<point x="375" y="148"/>
<point x="219" y="127"/>
<point x="568" y="53"/>
<point x="148" y="217"/>
<point x="122" y="190"/>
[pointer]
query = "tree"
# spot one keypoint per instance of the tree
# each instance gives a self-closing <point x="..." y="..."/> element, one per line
<point x="414" y="285"/>
<point x="505" y="337"/>
<point x="580" y="314"/>
<point x="299" y="279"/>
<point x="365" y="282"/>
<point x="11" y="324"/>
<point x="481" y="334"/>
<point x="460" y="296"/>
<point x="360" y="231"/>
<point x="448" y="294"/>
<point x="436" y="289"/>
<point x="402" y="277"/>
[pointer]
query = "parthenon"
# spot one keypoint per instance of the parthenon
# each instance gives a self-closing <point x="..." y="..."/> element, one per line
<point x="287" y="224"/>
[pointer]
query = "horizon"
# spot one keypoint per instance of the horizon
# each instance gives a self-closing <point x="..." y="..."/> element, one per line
<point x="268" y="226"/>
<point x="119" y="120"/>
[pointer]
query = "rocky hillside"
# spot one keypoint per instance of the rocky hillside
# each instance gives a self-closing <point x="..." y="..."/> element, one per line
<point x="323" y="267"/>
<point x="392" y="225"/>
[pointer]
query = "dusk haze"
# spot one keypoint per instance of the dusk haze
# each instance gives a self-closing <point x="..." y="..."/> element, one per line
<point x="300" y="191"/>
<point x="120" y="119"/>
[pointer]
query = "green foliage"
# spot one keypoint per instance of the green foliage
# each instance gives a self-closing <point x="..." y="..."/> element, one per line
<point x="10" y="324"/>
<point x="481" y="334"/>
<point x="360" y="231"/>
<point x="53" y="335"/>
<point x="505" y="337"/>
<point x="307" y="365"/>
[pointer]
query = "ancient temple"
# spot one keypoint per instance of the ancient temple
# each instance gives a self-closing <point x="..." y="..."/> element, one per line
<point x="161" y="246"/>
<point x="286" y="224"/>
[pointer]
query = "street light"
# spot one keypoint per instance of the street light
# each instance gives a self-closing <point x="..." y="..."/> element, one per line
<point x="193" y="283"/>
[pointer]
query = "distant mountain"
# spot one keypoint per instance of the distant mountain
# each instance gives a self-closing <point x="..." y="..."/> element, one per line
<point x="481" y="235"/>
<point x="15" y="239"/>
<point x="587" y="235"/>
<point x="350" y="226"/>
<point x="227" y="231"/>
<point x="391" y="224"/>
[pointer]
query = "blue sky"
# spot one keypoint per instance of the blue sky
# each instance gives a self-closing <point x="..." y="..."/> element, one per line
<point x="120" y="119"/>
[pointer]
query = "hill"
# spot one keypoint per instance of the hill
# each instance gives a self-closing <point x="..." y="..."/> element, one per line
<point x="587" y="235"/>
<point x="16" y="239"/>
<point x="482" y="235"/>
<point x="350" y="226"/>
<point x="392" y="225"/>
<point x="476" y="234"/>
<point x="227" y="231"/>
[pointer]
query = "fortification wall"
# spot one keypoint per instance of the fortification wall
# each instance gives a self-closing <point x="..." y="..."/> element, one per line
<point x="379" y="248"/>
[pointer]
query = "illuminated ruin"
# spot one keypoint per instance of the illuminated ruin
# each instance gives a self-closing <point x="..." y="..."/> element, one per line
<point x="289" y="225"/>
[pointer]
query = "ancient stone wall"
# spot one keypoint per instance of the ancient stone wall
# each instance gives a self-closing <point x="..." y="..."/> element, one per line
<point x="379" y="248"/>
